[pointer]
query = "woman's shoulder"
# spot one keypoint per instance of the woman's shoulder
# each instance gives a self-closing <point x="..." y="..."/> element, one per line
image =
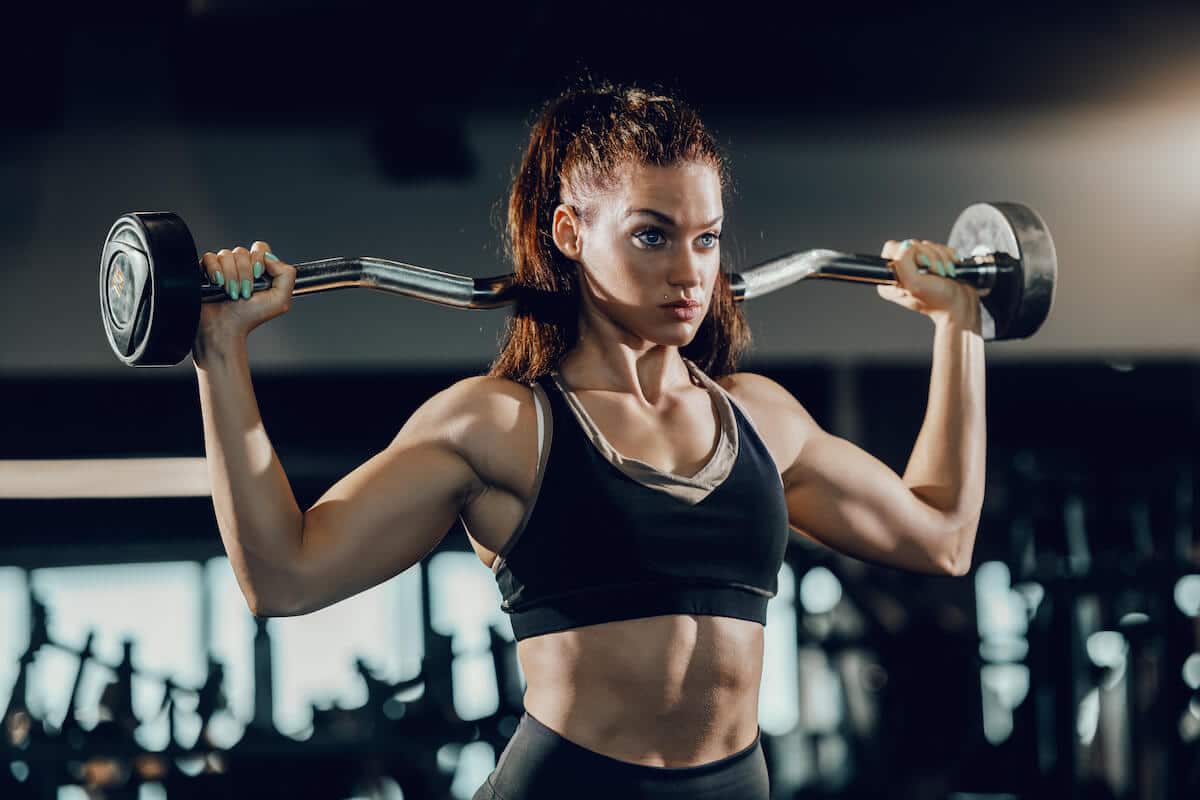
<point x="485" y="404"/>
<point x="492" y="421"/>
<point x="488" y="391"/>
<point x="756" y="392"/>
<point x="780" y="419"/>
<point x="753" y="392"/>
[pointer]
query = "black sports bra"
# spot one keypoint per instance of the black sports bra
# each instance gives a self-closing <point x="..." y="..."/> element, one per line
<point x="609" y="538"/>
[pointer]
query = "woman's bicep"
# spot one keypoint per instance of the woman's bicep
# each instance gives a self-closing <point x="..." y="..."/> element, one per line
<point x="388" y="513"/>
<point x="845" y="498"/>
<point x="840" y="495"/>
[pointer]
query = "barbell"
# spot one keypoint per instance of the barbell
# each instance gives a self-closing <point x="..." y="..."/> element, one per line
<point x="151" y="286"/>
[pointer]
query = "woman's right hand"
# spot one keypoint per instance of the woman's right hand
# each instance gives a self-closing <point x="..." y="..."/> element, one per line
<point x="244" y="310"/>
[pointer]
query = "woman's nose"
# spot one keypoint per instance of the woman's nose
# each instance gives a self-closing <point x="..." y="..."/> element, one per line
<point x="688" y="270"/>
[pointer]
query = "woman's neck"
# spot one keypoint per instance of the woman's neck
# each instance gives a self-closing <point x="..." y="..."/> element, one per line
<point x="649" y="374"/>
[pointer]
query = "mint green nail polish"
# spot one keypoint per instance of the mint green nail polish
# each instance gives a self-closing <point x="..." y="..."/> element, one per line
<point x="233" y="290"/>
<point x="246" y="287"/>
<point x="940" y="266"/>
<point x="924" y="259"/>
<point x="953" y="271"/>
<point x="219" y="278"/>
<point x="258" y="269"/>
<point x="272" y="256"/>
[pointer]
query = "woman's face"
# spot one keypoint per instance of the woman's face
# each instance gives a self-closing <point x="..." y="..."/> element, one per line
<point x="653" y="238"/>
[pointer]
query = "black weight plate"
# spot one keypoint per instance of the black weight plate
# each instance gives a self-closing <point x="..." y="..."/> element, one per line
<point x="1020" y="301"/>
<point x="149" y="289"/>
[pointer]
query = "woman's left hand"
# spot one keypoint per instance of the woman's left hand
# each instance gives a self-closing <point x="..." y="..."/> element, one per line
<point x="929" y="293"/>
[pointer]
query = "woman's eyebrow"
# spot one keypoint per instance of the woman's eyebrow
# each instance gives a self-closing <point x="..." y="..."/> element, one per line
<point x="666" y="219"/>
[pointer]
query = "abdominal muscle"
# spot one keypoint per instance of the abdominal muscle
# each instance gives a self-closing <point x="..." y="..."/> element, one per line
<point x="668" y="691"/>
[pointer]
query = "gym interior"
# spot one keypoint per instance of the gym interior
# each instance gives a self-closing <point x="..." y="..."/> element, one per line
<point x="1065" y="663"/>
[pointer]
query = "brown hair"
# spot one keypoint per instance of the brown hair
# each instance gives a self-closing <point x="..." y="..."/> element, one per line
<point x="578" y="142"/>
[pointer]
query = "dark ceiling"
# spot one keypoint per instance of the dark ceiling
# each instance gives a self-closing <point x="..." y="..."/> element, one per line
<point x="323" y="60"/>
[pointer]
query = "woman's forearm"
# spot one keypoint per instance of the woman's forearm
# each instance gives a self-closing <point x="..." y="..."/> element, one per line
<point x="260" y="522"/>
<point x="946" y="468"/>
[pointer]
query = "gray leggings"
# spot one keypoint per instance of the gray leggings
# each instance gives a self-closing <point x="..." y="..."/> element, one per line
<point x="538" y="763"/>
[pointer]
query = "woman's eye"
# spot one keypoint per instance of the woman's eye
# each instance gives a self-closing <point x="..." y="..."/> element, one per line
<point x="651" y="237"/>
<point x="710" y="239"/>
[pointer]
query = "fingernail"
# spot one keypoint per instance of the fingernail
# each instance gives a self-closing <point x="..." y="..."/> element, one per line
<point x="272" y="256"/>
<point x="904" y="245"/>
<point x="258" y="269"/>
<point x="940" y="266"/>
<point x="246" y="290"/>
<point x="219" y="278"/>
<point x="950" y="267"/>
<point x="924" y="259"/>
<point x="233" y="290"/>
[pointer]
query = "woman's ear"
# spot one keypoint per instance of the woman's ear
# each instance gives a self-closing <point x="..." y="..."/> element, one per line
<point x="566" y="229"/>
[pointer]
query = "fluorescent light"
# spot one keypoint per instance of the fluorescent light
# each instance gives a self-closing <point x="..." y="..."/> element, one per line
<point x="61" y="479"/>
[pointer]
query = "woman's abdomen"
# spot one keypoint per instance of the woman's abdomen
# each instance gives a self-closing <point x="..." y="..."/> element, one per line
<point x="668" y="691"/>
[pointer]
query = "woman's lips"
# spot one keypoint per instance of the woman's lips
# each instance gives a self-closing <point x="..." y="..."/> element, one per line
<point x="680" y="311"/>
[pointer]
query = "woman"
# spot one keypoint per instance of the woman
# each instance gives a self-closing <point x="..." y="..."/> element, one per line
<point x="631" y="491"/>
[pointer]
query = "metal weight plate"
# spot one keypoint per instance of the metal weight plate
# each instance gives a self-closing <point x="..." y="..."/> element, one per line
<point x="1021" y="300"/>
<point x="149" y="289"/>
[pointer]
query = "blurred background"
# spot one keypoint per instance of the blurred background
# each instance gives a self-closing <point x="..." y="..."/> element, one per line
<point x="1065" y="664"/>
